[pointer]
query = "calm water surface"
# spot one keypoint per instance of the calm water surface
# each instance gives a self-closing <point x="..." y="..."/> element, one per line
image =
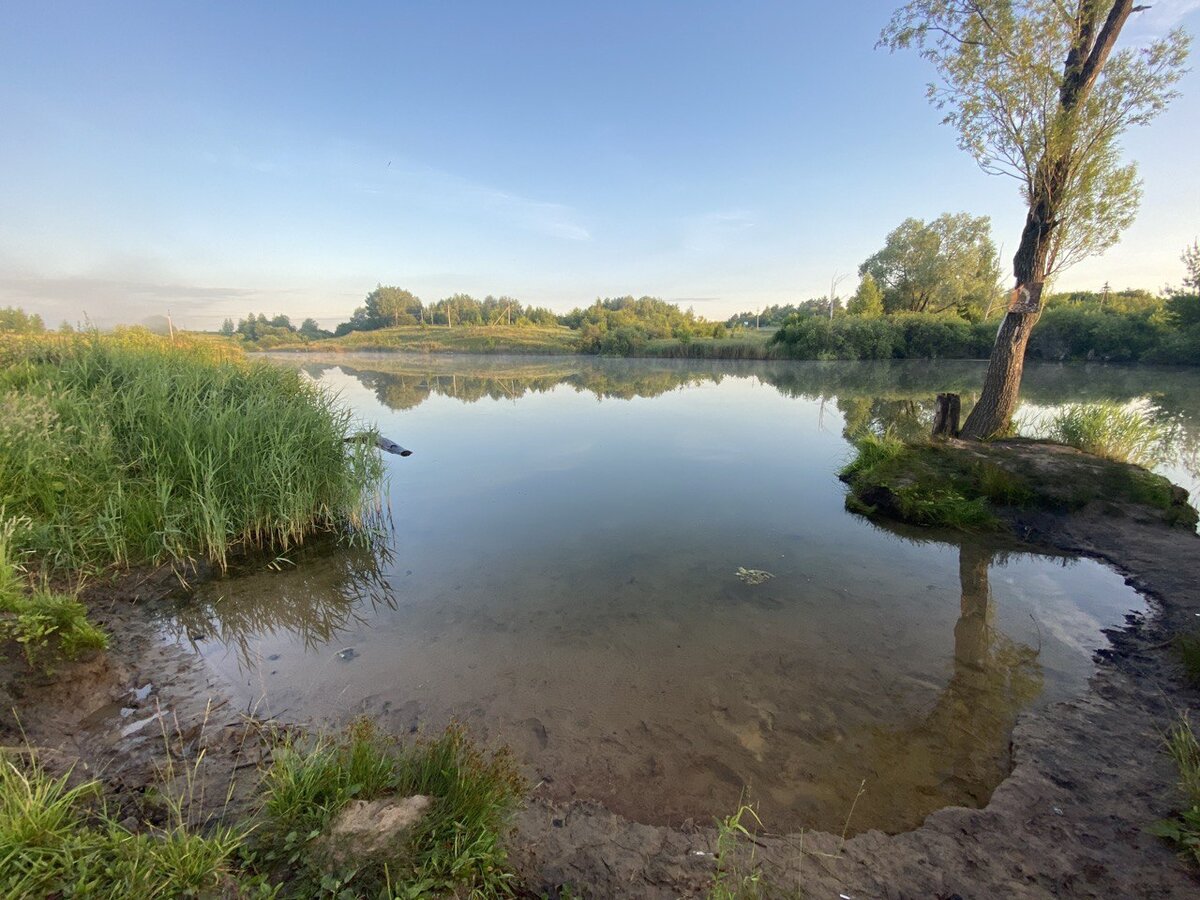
<point x="562" y="577"/>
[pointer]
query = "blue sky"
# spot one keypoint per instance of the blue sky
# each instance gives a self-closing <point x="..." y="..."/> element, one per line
<point x="217" y="158"/>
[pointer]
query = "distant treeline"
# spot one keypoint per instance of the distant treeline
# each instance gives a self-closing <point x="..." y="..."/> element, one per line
<point x="1064" y="332"/>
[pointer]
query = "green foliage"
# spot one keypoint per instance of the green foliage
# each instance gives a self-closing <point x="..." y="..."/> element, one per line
<point x="1112" y="430"/>
<point x="131" y="449"/>
<point x="1008" y="82"/>
<point x="735" y="878"/>
<point x="872" y="451"/>
<point x="57" y="840"/>
<point x="901" y="336"/>
<point x="947" y="265"/>
<point x="867" y="302"/>
<point x="622" y="326"/>
<point x="14" y="320"/>
<point x="1187" y="646"/>
<point x="1184" y="829"/>
<point x="45" y="624"/>
<point x="924" y="485"/>
<point x="454" y="848"/>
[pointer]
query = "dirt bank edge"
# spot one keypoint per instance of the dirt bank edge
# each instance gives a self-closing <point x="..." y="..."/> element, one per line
<point x="1088" y="775"/>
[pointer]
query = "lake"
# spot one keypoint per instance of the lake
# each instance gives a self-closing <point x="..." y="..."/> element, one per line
<point x="562" y="575"/>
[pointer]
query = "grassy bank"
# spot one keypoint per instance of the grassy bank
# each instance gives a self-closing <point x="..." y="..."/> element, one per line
<point x="533" y="340"/>
<point x="970" y="486"/>
<point x="133" y="449"/>
<point x="305" y="835"/>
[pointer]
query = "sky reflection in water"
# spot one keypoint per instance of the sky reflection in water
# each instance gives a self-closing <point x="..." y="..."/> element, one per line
<point x="562" y="577"/>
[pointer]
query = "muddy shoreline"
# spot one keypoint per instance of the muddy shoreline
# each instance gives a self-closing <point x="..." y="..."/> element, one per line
<point x="1088" y="773"/>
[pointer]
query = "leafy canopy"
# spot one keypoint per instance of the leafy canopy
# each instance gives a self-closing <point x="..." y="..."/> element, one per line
<point x="1005" y="69"/>
<point x="947" y="265"/>
<point x="867" y="301"/>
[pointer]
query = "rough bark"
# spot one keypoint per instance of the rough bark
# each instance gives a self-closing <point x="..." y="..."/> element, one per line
<point x="993" y="412"/>
<point x="945" y="419"/>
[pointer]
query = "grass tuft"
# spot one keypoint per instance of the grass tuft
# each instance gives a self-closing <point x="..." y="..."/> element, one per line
<point x="1184" y="829"/>
<point x="455" y="848"/>
<point x="1111" y="430"/>
<point x="57" y="840"/>
<point x="45" y="624"/>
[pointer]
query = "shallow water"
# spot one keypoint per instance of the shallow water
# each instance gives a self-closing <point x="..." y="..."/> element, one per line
<point x="562" y="577"/>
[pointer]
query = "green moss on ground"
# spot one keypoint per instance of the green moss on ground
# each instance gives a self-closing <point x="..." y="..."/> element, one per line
<point x="969" y="486"/>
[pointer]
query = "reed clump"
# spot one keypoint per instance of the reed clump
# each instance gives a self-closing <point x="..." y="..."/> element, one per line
<point x="129" y="448"/>
<point x="1112" y="430"/>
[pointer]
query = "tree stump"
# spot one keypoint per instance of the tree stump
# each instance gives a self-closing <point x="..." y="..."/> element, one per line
<point x="945" y="419"/>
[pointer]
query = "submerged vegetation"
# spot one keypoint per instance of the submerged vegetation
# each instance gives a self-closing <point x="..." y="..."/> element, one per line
<point x="131" y="448"/>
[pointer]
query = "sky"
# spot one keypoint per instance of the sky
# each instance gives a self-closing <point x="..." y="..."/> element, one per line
<point x="215" y="159"/>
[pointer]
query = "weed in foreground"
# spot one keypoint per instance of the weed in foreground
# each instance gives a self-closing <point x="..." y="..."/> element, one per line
<point x="57" y="839"/>
<point x="1184" y="829"/>
<point x="454" y="848"/>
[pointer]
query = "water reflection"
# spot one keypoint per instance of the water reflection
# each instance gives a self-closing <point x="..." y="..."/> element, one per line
<point x="322" y="591"/>
<point x="563" y="580"/>
<point x="877" y="395"/>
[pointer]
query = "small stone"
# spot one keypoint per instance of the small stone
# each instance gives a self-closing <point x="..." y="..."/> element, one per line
<point x="347" y="653"/>
<point x="367" y="829"/>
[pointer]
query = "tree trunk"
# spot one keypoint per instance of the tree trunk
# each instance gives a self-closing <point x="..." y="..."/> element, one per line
<point x="993" y="412"/>
<point x="945" y="419"/>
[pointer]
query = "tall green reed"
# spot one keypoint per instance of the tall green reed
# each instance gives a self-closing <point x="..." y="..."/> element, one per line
<point x="129" y="449"/>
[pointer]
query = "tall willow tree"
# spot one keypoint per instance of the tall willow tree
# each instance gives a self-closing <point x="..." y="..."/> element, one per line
<point x="1036" y="92"/>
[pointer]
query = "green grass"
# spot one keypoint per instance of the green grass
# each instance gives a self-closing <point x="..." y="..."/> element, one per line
<point x="46" y="625"/>
<point x="130" y="449"/>
<point x="531" y="339"/>
<point x="58" y="837"/>
<point x="924" y="485"/>
<point x="737" y="878"/>
<point x="455" y="849"/>
<point x="1187" y="647"/>
<point x="1111" y="430"/>
<point x="965" y="486"/>
<point x="1183" y="830"/>
<point x="58" y="840"/>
